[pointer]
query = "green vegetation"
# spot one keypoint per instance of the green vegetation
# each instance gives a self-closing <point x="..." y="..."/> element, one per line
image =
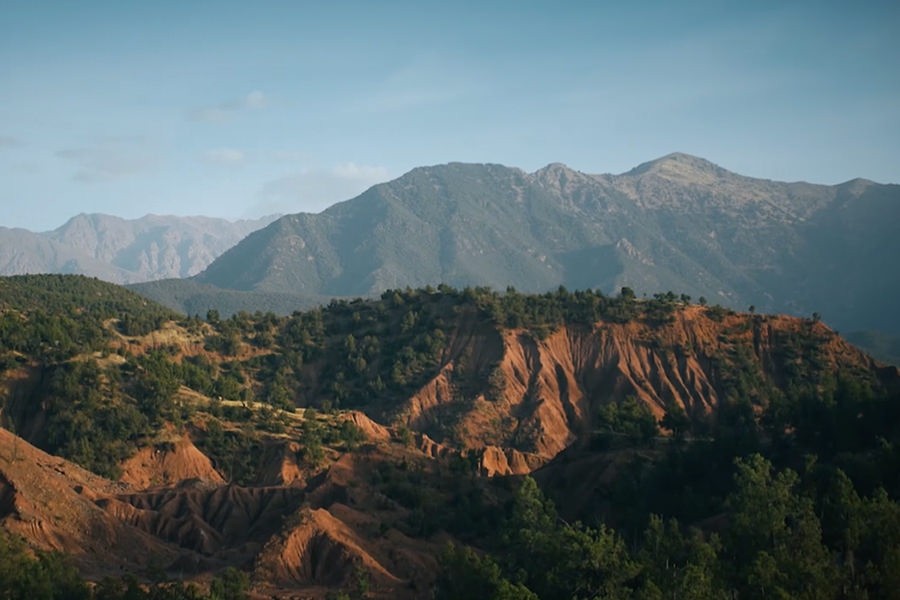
<point x="467" y="574"/>
<point x="42" y="577"/>
<point x="25" y="574"/>
<point x="87" y="420"/>
<point x="58" y="316"/>
<point x="798" y="503"/>
<point x="781" y="540"/>
<point x="629" y="419"/>
<point x="95" y="413"/>
<point x="234" y="452"/>
<point x="378" y="351"/>
<point x="445" y="496"/>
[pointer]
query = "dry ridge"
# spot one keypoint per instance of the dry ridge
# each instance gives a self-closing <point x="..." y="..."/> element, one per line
<point x="547" y="392"/>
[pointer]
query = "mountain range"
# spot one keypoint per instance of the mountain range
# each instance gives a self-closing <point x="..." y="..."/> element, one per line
<point x="678" y="223"/>
<point x="122" y="250"/>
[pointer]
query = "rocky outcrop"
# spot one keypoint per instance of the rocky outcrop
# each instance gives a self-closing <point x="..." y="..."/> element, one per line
<point x="216" y="521"/>
<point x="52" y="503"/>
<point x="167" y="464"/>
<point x="320" y="549"/>
<point x="544" y="394"/>
<point x="371" y="430"/>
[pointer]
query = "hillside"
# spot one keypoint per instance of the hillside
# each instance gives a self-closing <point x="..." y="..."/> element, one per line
<point x="122" y="250"/>
<point x="677" y="223"/>
<point x="340" y="450"/>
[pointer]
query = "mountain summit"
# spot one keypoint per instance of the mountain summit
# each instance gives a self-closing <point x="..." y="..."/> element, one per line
<point x="682" y="167"/>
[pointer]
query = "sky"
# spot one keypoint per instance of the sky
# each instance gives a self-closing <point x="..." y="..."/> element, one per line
<point x="241" y="109"/>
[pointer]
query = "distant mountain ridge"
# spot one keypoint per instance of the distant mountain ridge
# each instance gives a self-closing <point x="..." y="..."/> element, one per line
<point x="123" y="250"/>
<point x="677" y="223"/>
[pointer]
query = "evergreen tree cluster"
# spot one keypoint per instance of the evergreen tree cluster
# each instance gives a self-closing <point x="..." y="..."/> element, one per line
<point x="59" y="316"/>
<point x="29" y="575"/>
<point x="803" y="505"/>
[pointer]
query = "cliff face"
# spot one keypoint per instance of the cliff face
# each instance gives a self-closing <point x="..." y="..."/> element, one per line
<point x="540" y="396"/>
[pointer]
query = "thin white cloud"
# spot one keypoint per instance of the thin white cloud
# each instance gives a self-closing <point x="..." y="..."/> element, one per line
<point x="109" y="159"/>
<point x="224" y="111"/>
<point x="313" y="190"/>
<point x="225" y="156"/>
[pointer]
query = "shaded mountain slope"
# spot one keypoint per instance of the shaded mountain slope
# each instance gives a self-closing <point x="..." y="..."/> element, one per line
<point x="461" y="224"/>
<point x="679" y="223"/>
<point x="190" y="297"/>
<point x="23" y="251"/>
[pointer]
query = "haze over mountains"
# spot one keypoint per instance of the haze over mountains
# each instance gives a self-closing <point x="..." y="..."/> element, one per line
<point x="122" y="250"/>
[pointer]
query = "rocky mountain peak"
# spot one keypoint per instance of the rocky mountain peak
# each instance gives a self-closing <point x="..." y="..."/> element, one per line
<point x="559" y="176"/>
<point x="556" y="170"/>
<point x="681" y="168"/>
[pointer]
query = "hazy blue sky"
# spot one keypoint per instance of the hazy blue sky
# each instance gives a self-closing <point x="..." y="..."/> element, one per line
<point x="243" y="108"/>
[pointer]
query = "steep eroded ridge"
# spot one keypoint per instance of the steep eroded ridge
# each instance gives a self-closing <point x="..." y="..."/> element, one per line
<point x="544" y="393"/>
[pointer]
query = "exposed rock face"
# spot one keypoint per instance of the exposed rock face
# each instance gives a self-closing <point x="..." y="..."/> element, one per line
<point x="51" y="503"/>
<point x="497" y="461"/>
<point x="323" y="550"/>
<point x="552" y="388"/>
<point x="168" y="464"/>
<point x="297" y="537"/>
<point x="212" y="521"/>
<point x="371" y="430"/>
